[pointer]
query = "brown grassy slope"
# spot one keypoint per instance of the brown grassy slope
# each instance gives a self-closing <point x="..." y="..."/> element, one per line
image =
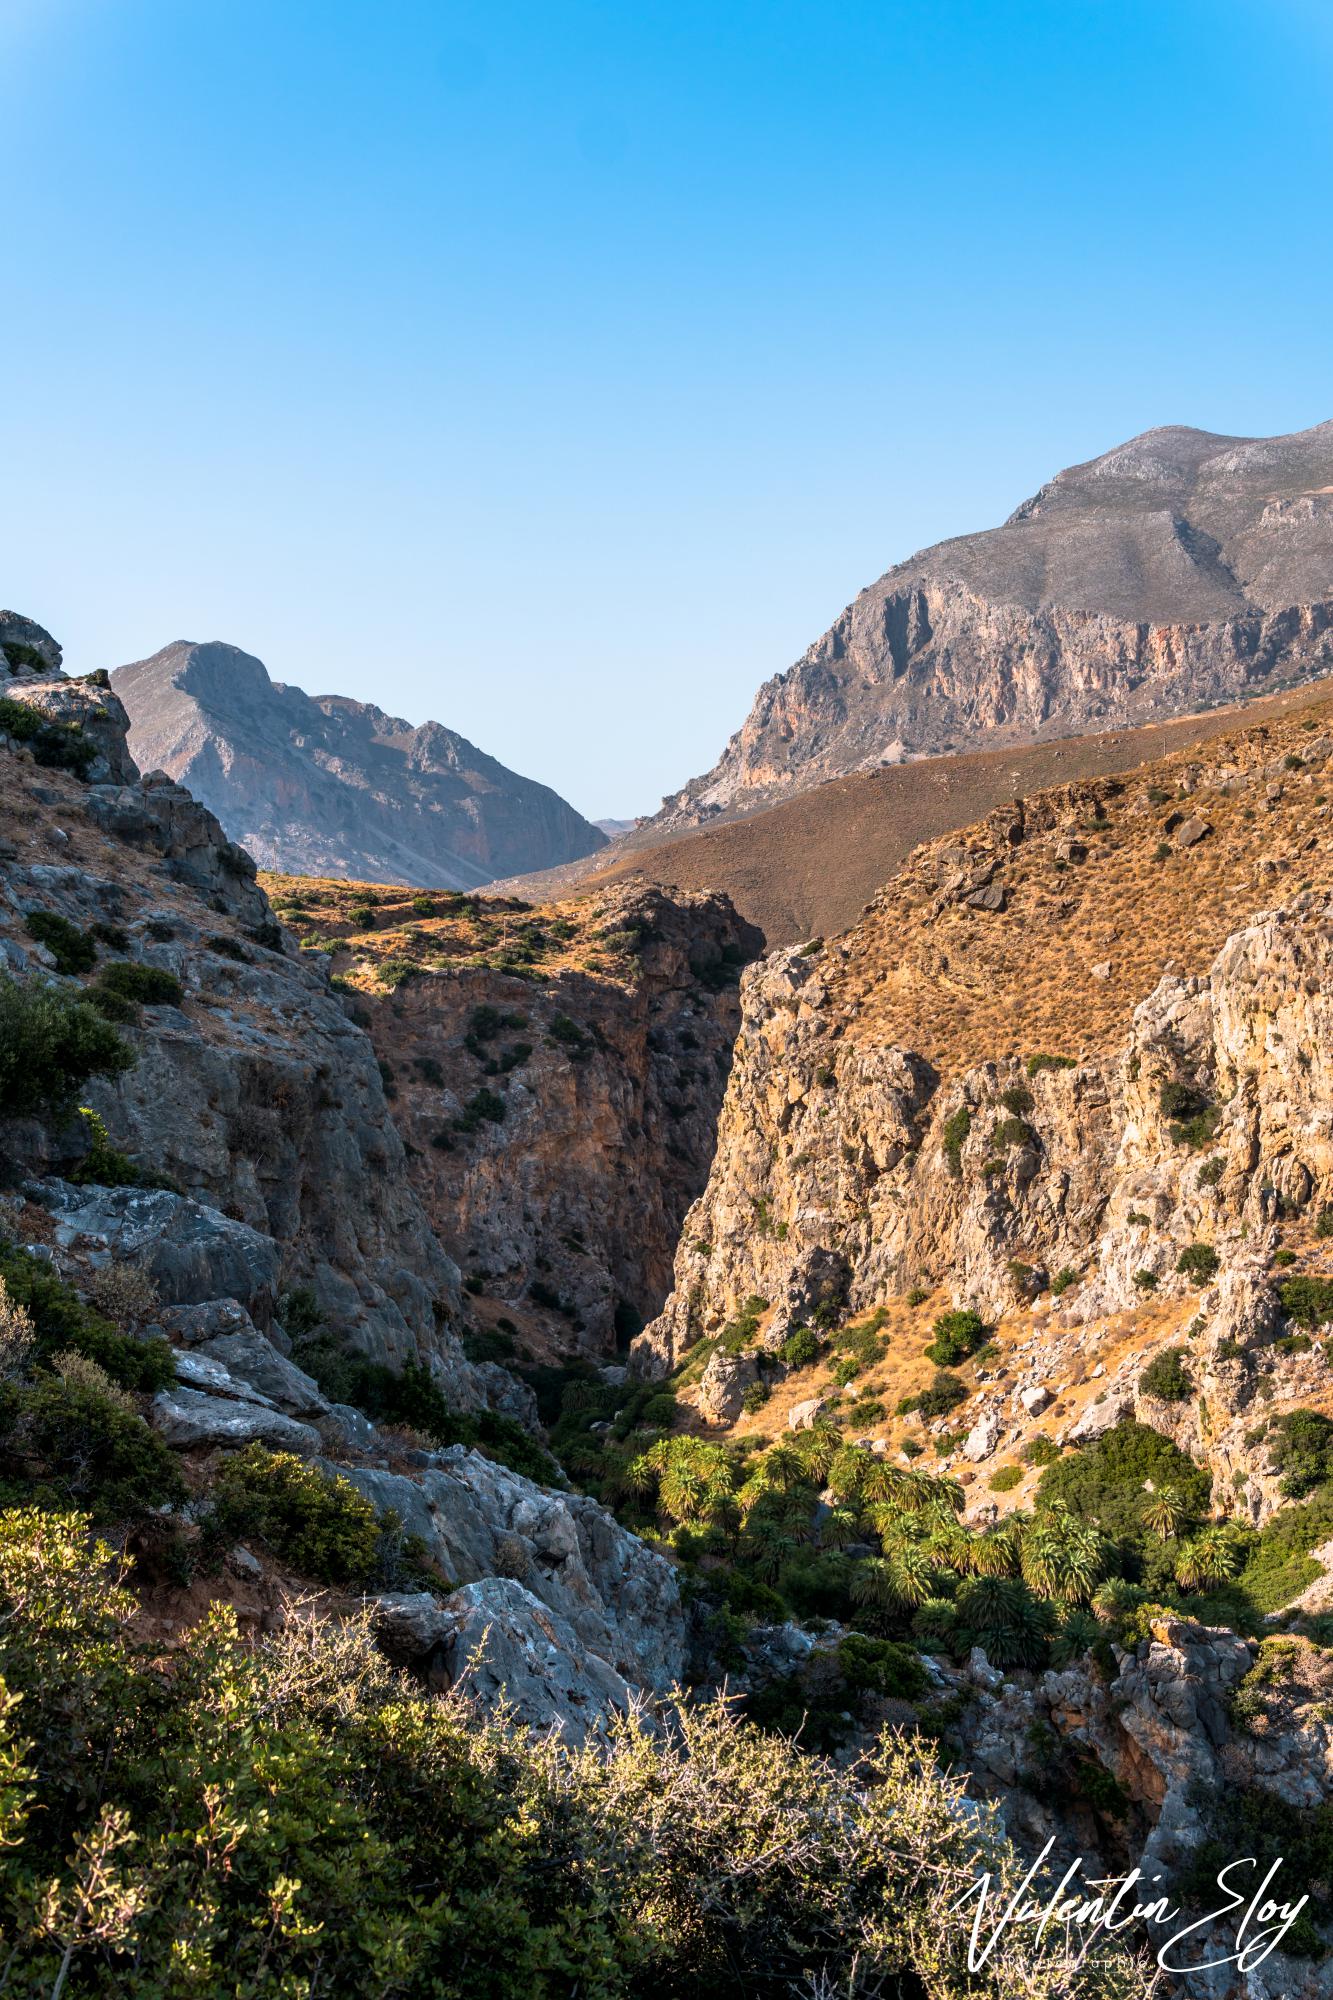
<point x="376" y="932"/>
<point x="806" y="868"/>
<point x="1081" y="942"/>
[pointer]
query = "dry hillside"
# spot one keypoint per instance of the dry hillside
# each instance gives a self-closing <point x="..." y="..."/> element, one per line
<point x="806" y="868"/>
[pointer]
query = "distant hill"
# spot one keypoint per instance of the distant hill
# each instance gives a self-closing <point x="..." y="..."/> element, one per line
<point x="806" y="867"/>
<point x="1180" y="570"/>
<point x="324" y="785"/>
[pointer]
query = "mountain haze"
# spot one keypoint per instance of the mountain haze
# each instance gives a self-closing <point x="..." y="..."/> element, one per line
<point x="329" y="786"/>
<point x="1179" y="570"/>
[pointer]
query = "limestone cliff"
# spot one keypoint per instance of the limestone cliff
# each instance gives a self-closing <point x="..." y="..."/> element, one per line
<point x="1180" y="570"/>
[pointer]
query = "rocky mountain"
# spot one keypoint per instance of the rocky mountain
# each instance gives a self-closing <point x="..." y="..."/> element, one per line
<point x="991" y="1408"/>
<point x="1180" y="570"/>
<point x="330" y="786"/>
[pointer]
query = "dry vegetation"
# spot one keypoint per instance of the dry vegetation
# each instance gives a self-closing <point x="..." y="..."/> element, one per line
<point x="806" y="868"/>
<point x="377" y="934"/>
<point x="1086" y="935"/>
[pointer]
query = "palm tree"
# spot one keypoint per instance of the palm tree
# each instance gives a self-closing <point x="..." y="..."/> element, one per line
<point x="846" y="1472"/>
<point x="782" y="1465"/>
<point x="1062" y="1557"/>
<point x="769" y="1550"/>
<point x="993" y="1553"/>
<point x="1164" y="1511"/>
<point x="1208" y="1560"/>
<point x="818" y="1447"/>
<point x="839" y="1527"/>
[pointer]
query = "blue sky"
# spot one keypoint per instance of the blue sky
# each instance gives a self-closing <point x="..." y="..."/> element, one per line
<point x="559" y="371"/>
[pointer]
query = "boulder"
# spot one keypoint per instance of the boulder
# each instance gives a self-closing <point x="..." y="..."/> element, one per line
<point x="723" y="1386"/>
<point x="188" y="1417"/>
<point x="801" y="1416"/>
<point x="983" y="1437"/>
<point x="196" y="1371"/>
<point x="504" y="1646"/>
<point x="191" y="1252"/>
<point x="478" y="1519"/>
<point x="1035" y="1399"/>
<point x="257" y="1362"/>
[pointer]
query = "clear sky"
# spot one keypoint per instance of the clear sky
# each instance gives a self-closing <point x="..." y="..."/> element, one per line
<point x="559" y="370"/>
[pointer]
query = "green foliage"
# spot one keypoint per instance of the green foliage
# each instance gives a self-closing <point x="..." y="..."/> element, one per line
<point x="1199" y="1262"/>
<point x="944" y="1393"/>
<point x="1256" y="1822"/>
<point x="1301" y="1448"/>
<point x="1278" y="1564"/>
<point x="952" y="1136"/>
<point x="1011" y="1132"/>
<point x="1104" y="1482"/>
<point x="61" y="1321"/>
<point x="881" y="1666"/>
<point x="142" y="985"/>
<point x="396" y="971"/>
<point x="60" y="746"/>
<point x="483" y="1107"/>
<point x="50" y="1044"/>
<point x="76" y="1433"/>
<point x="566" y="1034"/>
<point x="316" y="1521"/>
<point x="1062" y="1281"/>
<point x="1036" y="1064"/>
<point x="1308" y="1300"/>
<point x="1167" y="1376"/>
<point x="800" y="1348"/>
<point x="1005" y="1480"/>
<point x="72" y="949"/>
<point x="957" y="1335"/>
<point x="1040" y="1450"/>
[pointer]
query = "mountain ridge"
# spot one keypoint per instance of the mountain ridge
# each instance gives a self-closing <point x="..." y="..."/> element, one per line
<point x="325" y="784"/>
<point x="1174" y="571"/>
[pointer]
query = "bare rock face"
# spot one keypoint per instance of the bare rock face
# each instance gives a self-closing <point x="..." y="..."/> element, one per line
<point x="257" y="1096"/>
<point x="27" y="650"/>
<point x="834" y="1148"/>
<point x="329" y="786"/>
<point x="1170" y="1731"/>
<point x="564" y="1203"/>
<point x="1180" y="570"/>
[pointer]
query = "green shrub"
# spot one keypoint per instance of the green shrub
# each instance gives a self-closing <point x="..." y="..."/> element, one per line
<point x="1062" y="1281"/>
<point x="483" y="1107"/>
<point x="143" y="985"/>
<point x="72" y="949"/>
<point x="60" y="746"/>
<point x="1011" y="1132"/>
<point x="1199" y="1262"/>
<point x="314" y="1520"/>
<point x="1301" y="1448"/>
<point x="50" y="1044"/>
<point x="1323" y="1227"/>
<point x="1036" y="1064"/>
<point x="1308" y="1300"/>
<point x="957" y="1335"/>
<point x="1040" y="1450"/>
<point x="952" y="1136"/>
<point x="1167" y="1377"/>
<point x="1147" y="1281"/>
<point x="1104" y="1482"/>
<point x="1005" y="1480"/>
<point x="800" y="1348"/>
<point x="82" y="1438"/>
<point x="945" y="1393"/>
<point x="60" y="1320"/>
<point x="881" y="1666"/>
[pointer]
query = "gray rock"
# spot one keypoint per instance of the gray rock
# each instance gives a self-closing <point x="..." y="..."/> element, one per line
<point x="1191" y="832"/>
<point x="196" y="1371"/>
<point x="983" y="1437"/>
<point x="801" y="1416"/>
<point x="993" y="896"/>
<point x="191" y="1252"/>
<point x="256" y="1361"/>
<point x="505" y="1646"/>
<point x="410" y="1624"/>
<point x="478" y="1519"/>
<point x="191" y="1326"/>
<point x="723" y="1385"/>
<point x="353" y="1428"/>
<point x="187" y="1417"/>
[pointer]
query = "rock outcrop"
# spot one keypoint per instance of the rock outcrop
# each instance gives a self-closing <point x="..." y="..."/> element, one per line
<point x="253" y="1094"/>
<point x="557" y="1133"/>
<point x="329" y="786"/>
<point x="1180" y="570"/>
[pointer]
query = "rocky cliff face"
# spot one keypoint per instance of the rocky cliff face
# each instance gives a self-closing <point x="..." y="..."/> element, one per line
<point x="1178" y="571"/>
<point x="256" y="1095"/>
<point x="557" y="1133"/>
<point x="329" y="786"/>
